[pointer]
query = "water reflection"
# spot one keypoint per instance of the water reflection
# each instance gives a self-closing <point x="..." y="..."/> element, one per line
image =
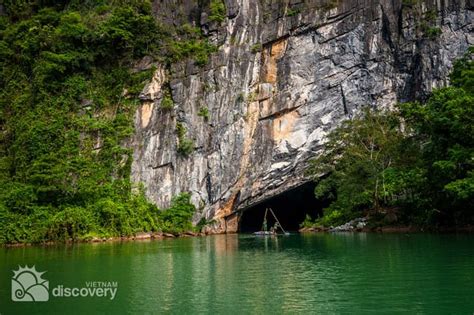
<point x="335" y="273"/>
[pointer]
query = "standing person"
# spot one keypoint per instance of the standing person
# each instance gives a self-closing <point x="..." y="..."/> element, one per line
<point x="275" y="227"/>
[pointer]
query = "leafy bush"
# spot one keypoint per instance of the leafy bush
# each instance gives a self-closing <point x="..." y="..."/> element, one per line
<point x="185" y="145"/>
<point x="292" y="12"/>
<point x="256" y="48"/>
<point x="167" y="102"/>
<point x="332" y="217"/>
<point x="197" y="49"/>
<point x="177" y="218"/>
<point x="70" y="222"/>
<point x="433" y="32"/>
<point x="217" y="11"/>
<point x="204" y="112"/>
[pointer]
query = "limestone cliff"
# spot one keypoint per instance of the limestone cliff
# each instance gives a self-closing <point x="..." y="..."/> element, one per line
<point x="286" y="72"/>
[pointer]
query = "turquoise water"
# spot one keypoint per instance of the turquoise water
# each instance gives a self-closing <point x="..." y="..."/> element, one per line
<point x="239" y="274"/>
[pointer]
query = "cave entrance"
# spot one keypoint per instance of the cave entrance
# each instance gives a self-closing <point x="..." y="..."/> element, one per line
<point x="290" y="207"/>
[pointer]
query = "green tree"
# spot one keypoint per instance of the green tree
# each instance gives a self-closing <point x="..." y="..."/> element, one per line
<point x="414" y="164"/>
<point x="362" y="157"/>
<point x="178" y="217"/>
<point x="444" y="126"/>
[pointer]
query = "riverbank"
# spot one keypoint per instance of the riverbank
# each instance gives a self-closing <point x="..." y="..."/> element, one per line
<point x="367" y="224"/>
<point x="138" y="237"/>
<point x="163" y="236"/>
<point x="392" y="229"/>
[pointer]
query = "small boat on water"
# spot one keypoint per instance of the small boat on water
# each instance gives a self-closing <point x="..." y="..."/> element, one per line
<point x="274" y="229"/>
<point x="264" y="233"/>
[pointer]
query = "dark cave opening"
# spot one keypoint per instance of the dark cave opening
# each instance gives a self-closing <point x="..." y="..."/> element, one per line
<point x="290" y="207"/>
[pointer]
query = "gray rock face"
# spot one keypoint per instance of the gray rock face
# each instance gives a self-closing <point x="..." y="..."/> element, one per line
<point x="285" y="74"/>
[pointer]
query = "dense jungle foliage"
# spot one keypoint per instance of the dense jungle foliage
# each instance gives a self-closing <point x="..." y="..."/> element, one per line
<point x="68" y="91"/>
<point x="413" y="165"/>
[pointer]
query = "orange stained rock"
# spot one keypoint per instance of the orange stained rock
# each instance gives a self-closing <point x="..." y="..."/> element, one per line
<point x="145" y="113"/>
<point x="270" y="58"/>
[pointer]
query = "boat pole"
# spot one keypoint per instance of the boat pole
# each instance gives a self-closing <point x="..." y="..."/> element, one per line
<point x="281" y="227"/>
<point x="264" y="224"/>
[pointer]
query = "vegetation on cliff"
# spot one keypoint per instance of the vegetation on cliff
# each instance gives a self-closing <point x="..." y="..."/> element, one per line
<point x="68" y="92"/>
<point x="413" y="165"/>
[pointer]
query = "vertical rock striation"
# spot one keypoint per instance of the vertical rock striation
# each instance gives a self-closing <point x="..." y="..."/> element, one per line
<point x="285" y="74"/>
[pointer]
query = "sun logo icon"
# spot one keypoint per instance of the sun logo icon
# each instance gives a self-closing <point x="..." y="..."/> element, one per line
<point x="28" y="286"/>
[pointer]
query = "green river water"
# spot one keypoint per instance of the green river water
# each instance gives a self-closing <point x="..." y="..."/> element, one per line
<point x="341" y="273"/>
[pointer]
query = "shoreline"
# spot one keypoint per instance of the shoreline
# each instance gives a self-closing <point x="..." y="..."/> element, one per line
<point x="393" y="229"/>
<point x="143" y="236"/>
<point x="309" y="230"/>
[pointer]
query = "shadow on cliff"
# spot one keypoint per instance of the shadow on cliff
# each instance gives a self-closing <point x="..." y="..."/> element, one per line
<point x="291" y="208"/>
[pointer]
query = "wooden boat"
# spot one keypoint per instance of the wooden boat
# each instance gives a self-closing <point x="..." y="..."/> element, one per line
<point x="264" y="233"/>
<point x="274" y="230"/>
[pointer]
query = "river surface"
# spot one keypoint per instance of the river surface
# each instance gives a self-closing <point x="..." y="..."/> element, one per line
<point x="341" y="273"/>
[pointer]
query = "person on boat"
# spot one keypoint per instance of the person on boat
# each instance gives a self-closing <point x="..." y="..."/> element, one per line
<point x="275" y="227"/>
